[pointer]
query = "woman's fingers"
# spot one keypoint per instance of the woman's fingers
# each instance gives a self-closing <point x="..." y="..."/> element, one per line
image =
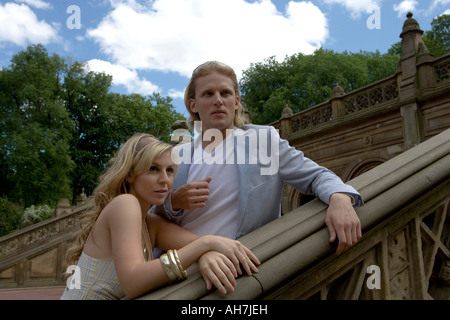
<point x="219" y="271"/>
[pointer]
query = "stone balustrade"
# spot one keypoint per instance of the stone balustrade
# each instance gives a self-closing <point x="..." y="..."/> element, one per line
<point x="406" y="225"/>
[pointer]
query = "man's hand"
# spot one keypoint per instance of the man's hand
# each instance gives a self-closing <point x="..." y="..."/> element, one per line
<point x="342" y="221"/>
<point x="192" y="195"/>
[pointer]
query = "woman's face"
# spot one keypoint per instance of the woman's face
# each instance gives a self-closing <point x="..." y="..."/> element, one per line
<point x="152" y="186"/>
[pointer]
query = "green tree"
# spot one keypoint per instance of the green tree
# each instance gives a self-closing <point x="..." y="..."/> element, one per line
<point x="302" y="81"/>
<point x="105" y="120"/>
<point x="35" y="128"/>
<point x="60" y="125"/>
<point x="438" y="38"/>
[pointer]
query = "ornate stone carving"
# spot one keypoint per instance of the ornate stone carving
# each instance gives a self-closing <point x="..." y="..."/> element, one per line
<point x="312" y="118"/>
<point x="442" y="71"/>
<point x="371" y="97"/>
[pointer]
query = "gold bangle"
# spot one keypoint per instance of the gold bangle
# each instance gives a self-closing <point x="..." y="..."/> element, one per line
<point x="180" y="267"/>
<point x="165" y="262"/>
<point x="173" y="265"/>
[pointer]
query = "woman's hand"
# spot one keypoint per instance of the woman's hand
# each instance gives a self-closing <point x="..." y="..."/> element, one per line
<point x="218" y="270"/>
<point x="236" y="252"/>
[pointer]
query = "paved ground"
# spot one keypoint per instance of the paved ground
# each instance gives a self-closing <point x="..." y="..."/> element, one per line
<point x="39" y="293"/>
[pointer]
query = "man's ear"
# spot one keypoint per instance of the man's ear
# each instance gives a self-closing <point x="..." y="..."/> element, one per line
<point x="192" y="105"/>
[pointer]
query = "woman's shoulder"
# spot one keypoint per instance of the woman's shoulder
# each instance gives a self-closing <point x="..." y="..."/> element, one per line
<point x="125" y="198"/>
<point x="124" y="203"/>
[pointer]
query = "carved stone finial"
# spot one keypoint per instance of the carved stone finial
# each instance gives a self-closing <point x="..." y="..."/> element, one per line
<point x="410" y="24"/>
<point x="287" y="112"/>
<point x="179" y="124"/>
<point x="338" y="91"/>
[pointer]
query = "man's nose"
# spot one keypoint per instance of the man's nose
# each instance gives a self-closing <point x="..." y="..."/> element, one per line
<point x="218" y="99"/>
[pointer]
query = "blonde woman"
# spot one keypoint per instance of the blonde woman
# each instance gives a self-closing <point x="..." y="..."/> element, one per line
<point x="113" y="250"/>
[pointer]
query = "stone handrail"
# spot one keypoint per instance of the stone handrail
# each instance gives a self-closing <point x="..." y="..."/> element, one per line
<point x="34" y="256"/>
<point x="442" y="68"/>
<point x="17" y="241"/>
<point x="299" y="239"/>
<point x="377" y="96"/>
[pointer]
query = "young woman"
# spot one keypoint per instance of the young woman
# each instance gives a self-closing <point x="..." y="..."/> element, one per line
<point x="113" y="250"/>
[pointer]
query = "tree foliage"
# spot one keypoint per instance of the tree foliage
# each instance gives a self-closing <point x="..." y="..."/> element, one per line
<point x="60" y="125"/>
<point x="302" y="81"/>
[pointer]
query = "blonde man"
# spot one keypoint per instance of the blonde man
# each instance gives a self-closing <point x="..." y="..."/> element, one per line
<point x="231" y="178"/>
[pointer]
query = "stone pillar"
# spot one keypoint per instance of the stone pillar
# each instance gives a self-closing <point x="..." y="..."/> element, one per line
<point x="412" y="45"/>
<point x="82" y="198"/>
<point x="285" y="122"/>
<point x="62" y="207"/>
<point x="336" y="102"/>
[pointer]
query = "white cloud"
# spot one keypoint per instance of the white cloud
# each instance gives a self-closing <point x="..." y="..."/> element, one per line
<point x="38" y="4"/>
<point x="123" y="76"/>
<point x="176" y="94"/>
<point x="178" y="35"/>
<point x="20" y="26"/>
<point x="405" y="6"/>
<point x="356" y="7"/>
<point x="440" y="2"/>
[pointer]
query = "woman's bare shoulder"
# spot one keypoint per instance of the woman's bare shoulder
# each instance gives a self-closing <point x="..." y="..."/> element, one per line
<point x="123" y="205"/>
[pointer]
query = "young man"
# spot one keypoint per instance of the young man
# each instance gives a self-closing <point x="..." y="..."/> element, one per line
<point x="231" y="177"/>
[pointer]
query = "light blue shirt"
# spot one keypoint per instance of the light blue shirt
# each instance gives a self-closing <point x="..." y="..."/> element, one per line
<point x="260" y="184"/>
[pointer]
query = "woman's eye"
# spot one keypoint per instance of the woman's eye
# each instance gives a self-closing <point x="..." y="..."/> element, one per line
<point x="153" y="169"/>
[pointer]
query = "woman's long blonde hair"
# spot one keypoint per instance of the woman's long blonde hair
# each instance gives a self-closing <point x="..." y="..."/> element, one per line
<point x="133" y="158"/>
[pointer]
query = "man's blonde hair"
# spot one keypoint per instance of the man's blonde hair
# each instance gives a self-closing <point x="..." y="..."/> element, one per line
<point x="204" y="70"/>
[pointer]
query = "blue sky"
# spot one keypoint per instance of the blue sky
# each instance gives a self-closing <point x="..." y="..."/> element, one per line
<point x="150" y="46"/>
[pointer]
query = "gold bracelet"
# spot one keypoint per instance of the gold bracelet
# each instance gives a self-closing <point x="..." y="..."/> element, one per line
<point x="173" y="265"/>
<point x="180" y="267"/>
<point x="165" y="262"/>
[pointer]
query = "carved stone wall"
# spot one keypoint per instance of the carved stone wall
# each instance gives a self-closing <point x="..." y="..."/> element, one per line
<point x="354" y="132"/>
<point x="34" y="255"/>
<point x="411" y="250"/>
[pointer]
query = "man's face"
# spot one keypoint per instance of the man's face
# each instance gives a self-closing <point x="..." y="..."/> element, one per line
<point x="215" y="101"/>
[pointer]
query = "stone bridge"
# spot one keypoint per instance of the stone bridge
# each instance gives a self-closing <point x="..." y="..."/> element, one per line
<point x="389" y="140"/>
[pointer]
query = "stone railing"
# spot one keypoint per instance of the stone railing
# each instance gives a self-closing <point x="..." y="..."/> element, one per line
<point x="370" y="97"/>
<point x="404" y="252"/>
<point x="442" y="69"/>
<point x="342" y="107"/>
<point x="381" y="96"/>
<point x="34" y="256"/>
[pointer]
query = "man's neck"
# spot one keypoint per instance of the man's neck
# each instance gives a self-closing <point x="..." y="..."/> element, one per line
<point x="212" y="141"/>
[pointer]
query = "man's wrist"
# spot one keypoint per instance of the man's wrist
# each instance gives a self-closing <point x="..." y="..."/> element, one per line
<point x="342" y="196"/>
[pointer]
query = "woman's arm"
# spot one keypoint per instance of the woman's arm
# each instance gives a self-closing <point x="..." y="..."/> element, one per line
<point x="124" y="220"/>
<point x="219" y="266"/>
